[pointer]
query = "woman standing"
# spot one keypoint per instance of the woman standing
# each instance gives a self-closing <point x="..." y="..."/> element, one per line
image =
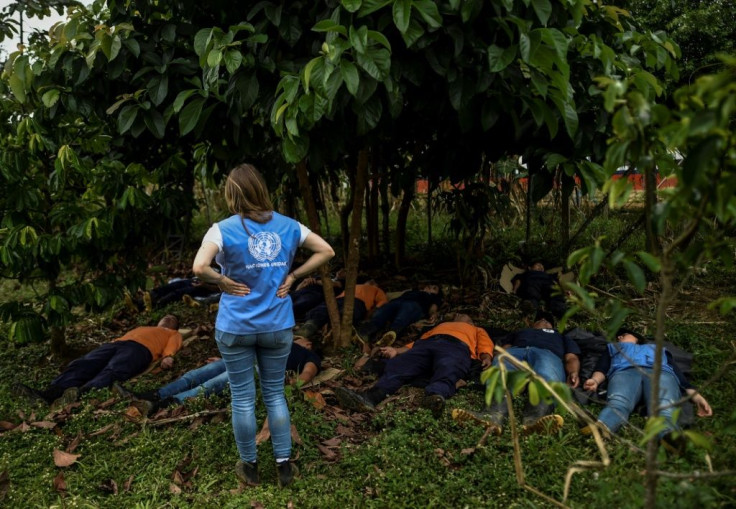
<point x="255" y="248"/>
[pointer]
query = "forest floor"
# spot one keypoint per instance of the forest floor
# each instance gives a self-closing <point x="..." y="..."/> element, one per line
<point x="100" y="452"/>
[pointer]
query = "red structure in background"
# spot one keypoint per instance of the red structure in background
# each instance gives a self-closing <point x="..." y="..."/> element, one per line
<point x="636" y="179"/>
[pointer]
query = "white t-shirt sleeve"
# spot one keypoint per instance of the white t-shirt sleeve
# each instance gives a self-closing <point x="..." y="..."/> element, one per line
<point x="214" y="235"/>
<point x="304" y="232"/>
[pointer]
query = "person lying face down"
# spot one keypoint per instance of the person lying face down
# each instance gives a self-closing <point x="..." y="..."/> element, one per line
<point x="628" y="366"/>
<point x="121" y="359"/>
<point x="443" y="354"/>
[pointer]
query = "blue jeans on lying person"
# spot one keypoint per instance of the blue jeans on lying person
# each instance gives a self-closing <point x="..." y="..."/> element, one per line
<point x="545" y="363"/>
<point x="208" y="379"/>
<point x="240" y="353"/>
<point x="625" y="389"/>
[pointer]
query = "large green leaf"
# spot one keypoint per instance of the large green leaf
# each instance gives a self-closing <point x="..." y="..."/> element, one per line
<point x="543" y="8"/>
<point x="127" y="117"/>
<point x="427" y="9"/>
<point x="189" y="116"/>
<point x="500" y="58"/>
<point x="233" y="59"/>
<point x="350" y="76"/>
<point x="155" y="123"/>
<point x="402" y="14"/>
<point x="351" y="5"/>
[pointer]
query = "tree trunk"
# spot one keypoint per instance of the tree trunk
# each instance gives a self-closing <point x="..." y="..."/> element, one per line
<point x="429" y="212"/>
<point x="408" y="196"/>
<point x="650" y="197"/>
<point x="57" y="333"/>
<point x="385" y="215"/>
<point x="353" y="255"/>
<point x="567" y="184"/>
<point x="371" y="214"/>
<point x="344" y="217"/>
<point x="667" y="275"/>
<point x="529" y="188"/>
<point x="313" y="217"/>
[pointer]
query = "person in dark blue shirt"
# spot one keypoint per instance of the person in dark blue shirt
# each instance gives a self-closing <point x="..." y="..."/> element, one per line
<point x="535" y="286"/>
<point x="553" y="357"/>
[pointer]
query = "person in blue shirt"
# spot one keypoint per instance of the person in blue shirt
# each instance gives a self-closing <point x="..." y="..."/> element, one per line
<point x="255" y="249"/>
<point x="628" y="366"/>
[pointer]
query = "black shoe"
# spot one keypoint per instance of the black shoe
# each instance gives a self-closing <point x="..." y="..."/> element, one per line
<point x="147" y="407"/>
<point x="287" y="472"/>
<point x="435" y="404"/>
<point x="247" y="472"/>
<point x="32" y="394"/>
<point x="674" y="446"/>
<point x="352" y="400"/>
<point x="122" y="392"/>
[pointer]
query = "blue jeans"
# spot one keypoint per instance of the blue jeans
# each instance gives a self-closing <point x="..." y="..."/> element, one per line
<point x="625" y="389"/>
<point x="543" y="362"/>
<point x="209" y="379"/>
<point x="240" y="353"/>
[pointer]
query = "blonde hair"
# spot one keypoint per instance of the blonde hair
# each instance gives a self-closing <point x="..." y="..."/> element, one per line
<point x="246" y="194"/>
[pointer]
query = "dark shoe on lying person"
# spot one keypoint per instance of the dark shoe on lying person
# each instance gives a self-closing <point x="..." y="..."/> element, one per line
<point x="147" y="407"/>
<point x="32" y="394"/>
<point x="435" y="404"/>
<point x="351" y="400"/>
<point x="547" y="425"/>
<point x="485" y="419"/>
<point x="69" y="396"/>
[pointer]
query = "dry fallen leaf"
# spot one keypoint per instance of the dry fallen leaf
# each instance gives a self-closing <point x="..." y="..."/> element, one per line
<point x="7" y="426"/>
<point x="128" y="483"/>
<point x="22" y="427"/>
<point x="133" y="412"/>
<point x="255" y="504"/>
<point x="102" y="430"/>
<point x="60" y="482"/>
<point x="329" y="454"/>
<point x="468" y="451"/>
<point x="64" y="459"/>
<point x="264" y="434"/>
<point x="317" y="400"/>
<point x="110" y="485"/>
<point x="4" y="484"/>
<point x="44" y="424"/>
<point x="173" y="488"/>
<point x="75" y="443"/>
<point x="295" y="435"/>
<point x="332" y="442"/>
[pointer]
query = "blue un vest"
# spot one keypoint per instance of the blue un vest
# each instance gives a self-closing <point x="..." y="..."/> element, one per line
<point x="259" y="258"/>
<point x="627" y="355"/>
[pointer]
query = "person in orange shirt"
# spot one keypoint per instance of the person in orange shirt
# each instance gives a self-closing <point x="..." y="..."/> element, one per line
<point x="119" y="360"/>
<point x="368" y="296"/>
<point x="443" y="354"/>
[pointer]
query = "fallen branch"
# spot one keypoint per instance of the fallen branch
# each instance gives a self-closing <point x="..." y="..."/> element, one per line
<point x="203" y="413"/>
<point x="696" y="474"/>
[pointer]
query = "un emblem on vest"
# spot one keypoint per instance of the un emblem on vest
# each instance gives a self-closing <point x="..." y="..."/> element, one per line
<point x="264" y="246"/>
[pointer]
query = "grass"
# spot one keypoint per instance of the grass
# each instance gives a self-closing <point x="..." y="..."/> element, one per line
<point x="398" y="457"/>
